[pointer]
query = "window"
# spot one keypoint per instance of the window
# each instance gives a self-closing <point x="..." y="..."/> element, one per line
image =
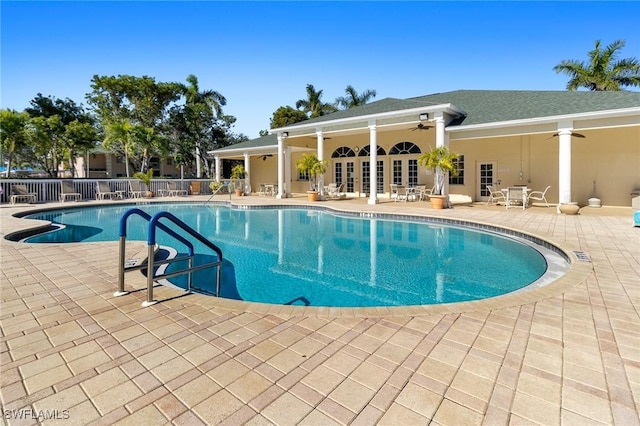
<point x="119" y="159"/>
<point x="343" y="151"/>
<point x="404" y="148"/>
<point x="170" y="161"/>
<point x="458" y="180"/>
<point x="365" y="151"/>
<point x="303" y="175"/>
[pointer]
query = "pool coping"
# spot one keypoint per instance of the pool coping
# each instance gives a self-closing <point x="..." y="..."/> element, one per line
<point x="578" y="271"/>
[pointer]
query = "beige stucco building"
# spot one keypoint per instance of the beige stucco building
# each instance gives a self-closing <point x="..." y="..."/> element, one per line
<point x="581" y="144"/>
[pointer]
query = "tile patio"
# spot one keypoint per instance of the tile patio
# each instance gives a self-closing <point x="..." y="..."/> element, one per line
<point x="567" y="355"/>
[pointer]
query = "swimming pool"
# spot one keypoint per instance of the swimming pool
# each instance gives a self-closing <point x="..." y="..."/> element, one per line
<point x="313" y="257"/>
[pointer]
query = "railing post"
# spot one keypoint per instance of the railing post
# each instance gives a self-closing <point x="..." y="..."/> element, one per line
<point x="150" y="256"/>
<point x="218" y="279"/>
<point x="121" y="256"/>
<point x="190" y="274"/>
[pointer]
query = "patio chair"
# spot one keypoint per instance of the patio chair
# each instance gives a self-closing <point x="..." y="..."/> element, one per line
<point x="20" y="193"/>
<point x="67" y="190"/>
<point x="394" y="191"/>
<point x="135" y="188"/>
<point x="103" y="191"/>
<point x="539" y="195"/>
<point x="401" y="193"/>
<point x="495" y="196"/>
<point x="516" y="197"/>
<point x="336" y="191"/>
<point x="172" y="189"/>
<point x="422" y="192"/>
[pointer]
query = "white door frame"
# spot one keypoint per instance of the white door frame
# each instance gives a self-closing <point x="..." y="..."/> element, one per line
<point x="485" y="175"/>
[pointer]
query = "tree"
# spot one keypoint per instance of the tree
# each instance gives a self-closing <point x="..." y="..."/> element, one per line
<point x="72" y="130"/>
<point x="140" y="101"/>
<point x="353" y="99"/>
<point x="441" y="161"/>
<point x="313" y="105"/>
<point x="120" y="137"/>
<point x="286" y="116"/>
<point x="46" y="137"/>
<point x="201" y="108"/>
<point x="12" y="134"/>
<point x="603" y="71"/>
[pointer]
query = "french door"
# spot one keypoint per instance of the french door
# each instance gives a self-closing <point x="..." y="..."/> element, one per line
<point x="405" y="172"/>
<point x="344" y="172"/>
<point x="366" y="177"/>
<point x="486" y="176"/>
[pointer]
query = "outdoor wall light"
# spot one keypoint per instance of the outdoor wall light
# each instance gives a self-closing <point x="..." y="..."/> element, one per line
<point x="424" y="116"/>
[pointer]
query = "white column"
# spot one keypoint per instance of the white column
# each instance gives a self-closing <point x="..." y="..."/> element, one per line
<point x="440" y="137"/>
<point x="247" y="177"/>
<point x="280" y="165"/>
<point x="217" y="161"/>
<point x="320" y="139"/>
<point x="564" y="166"/>
<point x="287" y="172"/>
<point x="373" y="157"/>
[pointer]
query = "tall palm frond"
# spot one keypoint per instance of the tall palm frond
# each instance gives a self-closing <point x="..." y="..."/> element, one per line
<point x="313" y="105"/>
<point x="602" y="72"/>
<point x="353" y="99"/>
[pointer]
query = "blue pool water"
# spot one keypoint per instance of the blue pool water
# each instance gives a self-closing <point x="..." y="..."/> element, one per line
<point x="316" y="258"/>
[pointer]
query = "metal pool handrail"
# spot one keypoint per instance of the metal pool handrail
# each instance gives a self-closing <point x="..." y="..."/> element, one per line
<point x="151" y="244"/>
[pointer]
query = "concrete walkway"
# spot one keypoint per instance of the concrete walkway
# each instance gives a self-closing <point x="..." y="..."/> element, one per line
<point x="71" y="353"/>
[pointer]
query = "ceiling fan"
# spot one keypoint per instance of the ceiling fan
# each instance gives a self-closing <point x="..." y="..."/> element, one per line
<point x="421" y="126"/>
<point x="577" y="135"/>
<point x="264" y="157"/>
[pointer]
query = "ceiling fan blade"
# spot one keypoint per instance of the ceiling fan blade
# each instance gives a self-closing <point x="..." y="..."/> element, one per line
<point x="577" y="135"/>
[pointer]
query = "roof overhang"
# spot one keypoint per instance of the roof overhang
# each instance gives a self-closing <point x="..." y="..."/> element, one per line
<point x="383" y="121"/>
<point x="624" y="117"/>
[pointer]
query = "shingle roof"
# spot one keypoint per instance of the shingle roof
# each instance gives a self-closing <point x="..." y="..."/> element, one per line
<point x="489" y="106"/>
<point x="483" y="106"/>
<point x="262" y="141"/>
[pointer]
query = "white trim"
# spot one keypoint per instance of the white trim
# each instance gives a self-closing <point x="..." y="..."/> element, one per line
<point x="550" y="119"/>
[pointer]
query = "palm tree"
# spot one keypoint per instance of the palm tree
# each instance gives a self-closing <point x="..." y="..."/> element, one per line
<point x="603" y="71"/>
<point x="200" y="108"/>
<point x="353" y="99"/>
<point x="313" y="105"/>
<point x="122" y="135"/>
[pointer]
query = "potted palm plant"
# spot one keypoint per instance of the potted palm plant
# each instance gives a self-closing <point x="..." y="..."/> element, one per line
<point x="146" y="179"/>
<point x="314" y="167"/>
<point x="441" y="161"/>
<point x="238" y="173"/>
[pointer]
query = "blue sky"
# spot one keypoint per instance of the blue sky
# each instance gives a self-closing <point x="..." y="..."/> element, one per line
<point x="261" y="55"/>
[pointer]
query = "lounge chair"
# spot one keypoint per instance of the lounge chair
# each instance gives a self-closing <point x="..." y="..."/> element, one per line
<point x="103" y="191"/>
<point x="516" y="197"/>
<point x="67" y="190"/>
<point x="135" y="188"/>
<point x="539" y="195"/>
<point x="495" y="196"/>
<point x="20" y="193"/>
<point x="172" y="189"/>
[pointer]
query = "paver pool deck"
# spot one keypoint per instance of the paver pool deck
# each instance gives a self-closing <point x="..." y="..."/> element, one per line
<point x="72" y="353"/>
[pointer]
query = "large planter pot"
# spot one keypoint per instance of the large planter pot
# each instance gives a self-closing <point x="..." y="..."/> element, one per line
<point x="312" y="195"/>
<point x="239" y="192"/>
<point x="437" y="201"/>
<point x="570" y="209"/>
<point x="149" y="194"/>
